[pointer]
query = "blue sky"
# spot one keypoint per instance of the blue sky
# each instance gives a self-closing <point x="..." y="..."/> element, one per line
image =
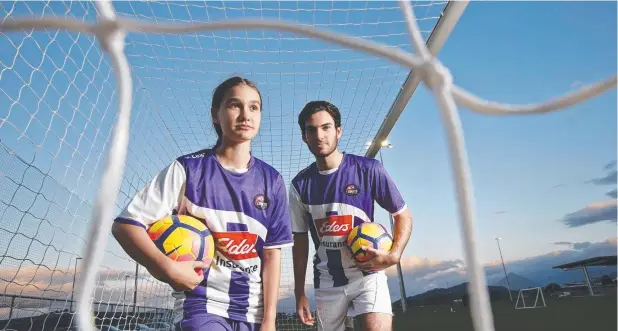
<point x="536" y="52"/>
<point x="529" y="172"/>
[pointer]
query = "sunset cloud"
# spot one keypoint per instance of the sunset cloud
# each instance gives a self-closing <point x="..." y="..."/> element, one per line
<point x="604" y="211"/>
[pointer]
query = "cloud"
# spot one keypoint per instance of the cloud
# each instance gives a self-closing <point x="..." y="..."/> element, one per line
<point x="42" y="282"/>
<point x="611" y="165"/>
<point x="577" y="84"/>
<point x="425" y="268"/>
<point x="609" y="179"/>
<point x="574" y="245"/>
<point x="597" y="212"/>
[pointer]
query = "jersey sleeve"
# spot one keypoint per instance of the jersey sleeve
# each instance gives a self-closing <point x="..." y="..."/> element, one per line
<point x="157" y="199"/>
<point x="298" y="213"/>
<point x="385" y="192"/>
<point x="279" y="230"/>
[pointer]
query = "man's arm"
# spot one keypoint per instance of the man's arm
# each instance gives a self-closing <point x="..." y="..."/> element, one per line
<point x="386" y="194"/>
<point x="300" y="253"/>
<point x="380" y="260"/>
<point x="402" y="229"/>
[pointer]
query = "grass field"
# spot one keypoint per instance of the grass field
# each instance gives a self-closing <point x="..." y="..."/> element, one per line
<point x="571" y="314"/>
<point x="576" y="314"/>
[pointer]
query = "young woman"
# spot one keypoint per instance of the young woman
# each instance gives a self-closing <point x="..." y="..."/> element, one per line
<point x="243" y="202"/>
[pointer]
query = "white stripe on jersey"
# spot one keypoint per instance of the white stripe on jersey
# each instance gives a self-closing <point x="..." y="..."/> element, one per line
<point x="350" y="270"/>
<point x="400" y="210"/>
<point x="298" y="212"/>
<point x="319" y="211"/>
<point x="218" y="289"/>
<point x="255" y="298"/>
<point x="159" y="197"/>
<point x="279" y="246"/>
<point x="219" y="277"/>
<point x="179" y="306"/>
<point x="217" y="220"/>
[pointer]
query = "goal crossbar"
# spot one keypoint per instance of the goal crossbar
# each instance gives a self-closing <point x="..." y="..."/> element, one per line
<point x="111" y="30"/>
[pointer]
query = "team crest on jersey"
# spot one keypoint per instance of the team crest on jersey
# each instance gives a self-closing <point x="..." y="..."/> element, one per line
<point x="237" y="245"/>
<point x="261" y="202"/>
<point x="336" y="225"/>
<point x="351" y="190"/>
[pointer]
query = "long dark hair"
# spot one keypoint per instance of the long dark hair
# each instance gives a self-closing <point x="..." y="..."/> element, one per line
<point x="217" y="98"/>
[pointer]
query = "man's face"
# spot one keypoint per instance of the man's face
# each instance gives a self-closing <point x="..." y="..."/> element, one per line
<point x="321" y="135"/>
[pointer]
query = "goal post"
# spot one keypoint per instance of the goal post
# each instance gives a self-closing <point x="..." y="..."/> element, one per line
<point x="60" y="118"/>
<point x="59" y="104"/>
<point x="530" y="298"/>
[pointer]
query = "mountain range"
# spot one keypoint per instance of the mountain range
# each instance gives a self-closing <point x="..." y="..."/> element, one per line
<point x="517" y="282"/>
<point x="498" y="290"/>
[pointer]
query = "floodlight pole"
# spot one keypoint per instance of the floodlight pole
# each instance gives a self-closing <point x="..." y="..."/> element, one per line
<point x="402" y="288"/>
<point x="587" y="278"/>
<point x="135" y="289"/>
<point x="73" y="287"/>
<point x="508" y="284"/>
<point x="124" y="294"/>
<point x="444" y="26"/>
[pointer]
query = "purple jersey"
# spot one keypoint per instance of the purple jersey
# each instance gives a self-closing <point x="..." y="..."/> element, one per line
<point x="329" y="204"/>
<point x="246" y="211"/>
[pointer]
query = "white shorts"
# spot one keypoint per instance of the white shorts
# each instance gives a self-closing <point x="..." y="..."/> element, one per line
<point x="366" y="295"/>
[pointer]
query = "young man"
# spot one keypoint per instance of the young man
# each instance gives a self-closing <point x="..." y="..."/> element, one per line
<point x="329" y="198"/>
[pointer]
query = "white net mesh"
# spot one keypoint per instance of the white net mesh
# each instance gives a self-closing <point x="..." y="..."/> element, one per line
<point x="58" y="106"/>
<point x="57" y="111"/>
<point x="57" y="101"/>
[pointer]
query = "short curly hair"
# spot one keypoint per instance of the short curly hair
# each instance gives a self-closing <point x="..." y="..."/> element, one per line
<point x="313" y="107"/>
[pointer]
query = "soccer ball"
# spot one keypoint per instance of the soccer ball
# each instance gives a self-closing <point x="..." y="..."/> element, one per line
<point x="369" y="234"/>
<point x="183" y="238"/>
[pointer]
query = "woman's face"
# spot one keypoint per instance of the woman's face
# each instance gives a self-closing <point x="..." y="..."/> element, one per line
<point x="239" y="114"/>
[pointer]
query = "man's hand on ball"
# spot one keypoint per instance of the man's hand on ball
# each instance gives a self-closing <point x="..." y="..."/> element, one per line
<point x="378" y="260"/>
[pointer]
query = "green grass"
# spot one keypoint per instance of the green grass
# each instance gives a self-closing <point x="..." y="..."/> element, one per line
<point x="577" y="314"/>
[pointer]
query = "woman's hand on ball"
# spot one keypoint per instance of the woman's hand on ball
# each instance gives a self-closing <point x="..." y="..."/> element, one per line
<point x="377" y="260"/>
<point x="184" y="276"/>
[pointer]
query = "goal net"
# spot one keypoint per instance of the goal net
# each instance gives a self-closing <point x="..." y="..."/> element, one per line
<point x="530" y="298"/>
<point x="58" y="105"/>
<point x="64" y="87"/>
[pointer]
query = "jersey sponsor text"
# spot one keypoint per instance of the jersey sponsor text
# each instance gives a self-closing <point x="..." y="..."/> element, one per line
<point x="237" y="245"/>
<point x="233" y="265"/>
<point x="331" y="244"/>
<point x="336" y="225"/>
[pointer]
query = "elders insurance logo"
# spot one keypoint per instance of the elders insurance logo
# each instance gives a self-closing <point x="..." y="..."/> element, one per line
<point x="238" y="245"/>
<point x="337" y="225"/>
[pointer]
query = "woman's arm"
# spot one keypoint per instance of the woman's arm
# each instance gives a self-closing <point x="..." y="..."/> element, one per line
<point x="271" y="275"/>
<point x="181" y="276"/>
<point x="156" y="200"/>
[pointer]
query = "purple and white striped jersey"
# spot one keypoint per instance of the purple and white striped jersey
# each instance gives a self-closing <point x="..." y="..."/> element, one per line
<point x="247" y="212"/>
<point x="329" y="204"/>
